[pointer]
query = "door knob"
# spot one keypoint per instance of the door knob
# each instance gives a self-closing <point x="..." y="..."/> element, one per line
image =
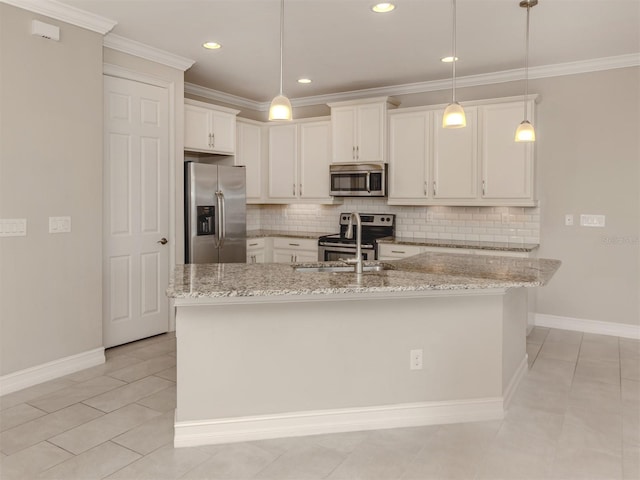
<point x="162" y="241"/>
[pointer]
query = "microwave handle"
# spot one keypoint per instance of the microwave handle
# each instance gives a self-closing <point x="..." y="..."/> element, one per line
<point x="368" y="182"/>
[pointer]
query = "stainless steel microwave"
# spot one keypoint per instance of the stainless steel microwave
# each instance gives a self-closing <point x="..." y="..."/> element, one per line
<point x="358" y="179"/>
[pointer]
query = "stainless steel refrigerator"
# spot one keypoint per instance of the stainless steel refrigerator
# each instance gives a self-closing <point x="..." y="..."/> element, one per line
<point x="215" y="213"/>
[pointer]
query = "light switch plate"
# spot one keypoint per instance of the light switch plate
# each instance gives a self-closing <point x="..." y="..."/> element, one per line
<point x="13" y="227"/>
<point x="59" y="224"/>
<point x="592" y="220"/>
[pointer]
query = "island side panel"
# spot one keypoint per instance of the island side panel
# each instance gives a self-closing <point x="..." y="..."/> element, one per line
<point x="246" y="360"/>
<point x="514" y="337"/>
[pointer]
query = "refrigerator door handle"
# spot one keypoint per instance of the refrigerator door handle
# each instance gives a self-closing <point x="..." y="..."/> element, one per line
<point x="217" y="236"/>
<point x="222" y="220"/>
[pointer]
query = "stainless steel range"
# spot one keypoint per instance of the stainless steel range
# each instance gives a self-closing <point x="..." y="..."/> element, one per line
<point x="374" y="226"/>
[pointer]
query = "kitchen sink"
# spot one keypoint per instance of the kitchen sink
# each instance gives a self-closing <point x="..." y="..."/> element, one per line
<point x="321" y="268"/>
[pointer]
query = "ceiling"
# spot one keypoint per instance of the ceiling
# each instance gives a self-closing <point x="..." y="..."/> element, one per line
<point x="343" y="46"/>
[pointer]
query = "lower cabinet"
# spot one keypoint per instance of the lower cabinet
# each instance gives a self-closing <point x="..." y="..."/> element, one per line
<point x="290" y="250"/>
<point x="256" y="250"/>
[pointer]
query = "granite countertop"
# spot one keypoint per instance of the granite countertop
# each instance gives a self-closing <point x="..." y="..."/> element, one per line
<point x="283" y="233"/>
<point x="426" y="271"/>
<point x="502" y="246"/>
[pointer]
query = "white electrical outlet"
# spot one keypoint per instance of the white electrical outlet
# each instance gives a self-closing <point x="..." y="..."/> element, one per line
<point x="592" y="220"/>
<point x="59" y="224"/>
<point x="13" y="227"/>
<point x="415" y="359"/>
<point x="568" y="220"/>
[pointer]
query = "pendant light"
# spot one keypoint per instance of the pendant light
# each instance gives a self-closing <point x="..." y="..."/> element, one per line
<point x="454" y="116"/>
<point x="280" y="108"/>
<point x="525" y="131"/>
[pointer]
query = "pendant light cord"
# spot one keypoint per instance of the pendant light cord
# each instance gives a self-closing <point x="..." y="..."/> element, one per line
<point x="453" y="41"/>
<point x="281" y="39"/>
<point x="526" y="67"/>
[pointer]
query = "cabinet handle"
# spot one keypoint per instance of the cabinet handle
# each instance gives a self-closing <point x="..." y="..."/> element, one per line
<point x="353" y="153"/>
<point x="425" y="188"/>
<point x="209" y="140"/>
<point x="397" y="251"/>
<point x="253" y="244"/>
<point x="213" y="140"/>
<point x="435" y="189"/>
<point x="357" y="153"/>
<point x="294" y="244"/>
<point x="294" y="189"/>
<point x="483" y="187"/>
<point x="300" y="190"/>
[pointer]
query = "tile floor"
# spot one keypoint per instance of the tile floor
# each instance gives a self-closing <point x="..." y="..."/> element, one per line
<point x="575" y="415"/>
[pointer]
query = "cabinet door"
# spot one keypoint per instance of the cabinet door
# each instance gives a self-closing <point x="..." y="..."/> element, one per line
<point x="315" y="155"/>
<point x="408" y="155"/>
<point x="343" y="121"/>
<point x="455" y="158"/>
<point x="249" y="154"/>
<point x="282" y="162"/>
<point x="370" y="133"/>
<point x="223" y="132"/>
<point x="394" y="252"/>
<point x="507" y="166"/>
<point x="197" y="128"/>
<point x="283" y="256"/>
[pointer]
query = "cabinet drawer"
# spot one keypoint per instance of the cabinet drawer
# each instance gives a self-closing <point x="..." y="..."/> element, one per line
<point x="291" y="243"/>
<point x="255" y="243"/>
<point x="389" y="252"/>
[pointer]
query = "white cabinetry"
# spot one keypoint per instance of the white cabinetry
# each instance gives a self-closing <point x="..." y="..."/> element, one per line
<point x="209" y="128"/>
<point x="480" y="164"/>
<point x="409" y="153"/>
<point x="256" y="250"/>
<point x="249" y="154"/>
<point x="359" y="130"/>
<point x="290" y="250"/>
<point x="299" y="162"/>
<point x="507" y="166"/>
<point x="389" y="251"/>
<point x="455" y="158"/>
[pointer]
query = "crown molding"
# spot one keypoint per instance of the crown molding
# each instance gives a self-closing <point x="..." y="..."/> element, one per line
<point x="126" y="45"/>
<point x="66" y="13"/>
<point x="545" y="71"/>
<point x="219" y="96"/>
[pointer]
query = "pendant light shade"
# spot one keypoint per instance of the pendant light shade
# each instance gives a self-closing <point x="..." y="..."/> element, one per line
<point x="525" y="131"/>
<point x="454" y="116"/>
<point x="280" y="108"/>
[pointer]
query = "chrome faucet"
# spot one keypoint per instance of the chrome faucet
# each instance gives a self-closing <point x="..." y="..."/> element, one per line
<point x="357" y="261"/>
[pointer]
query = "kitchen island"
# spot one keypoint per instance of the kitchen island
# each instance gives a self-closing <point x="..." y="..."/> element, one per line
<point x="269" y="350"/>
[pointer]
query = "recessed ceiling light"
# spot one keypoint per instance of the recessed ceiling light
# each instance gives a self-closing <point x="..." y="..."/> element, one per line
<point x="304" y="80"/>
<point x="448" y="59"/>
<point x="212" y="45"/>
<point x="384" y="7"/>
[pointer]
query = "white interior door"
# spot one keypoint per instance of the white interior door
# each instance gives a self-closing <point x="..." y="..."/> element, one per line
<point x="136" y="211"/>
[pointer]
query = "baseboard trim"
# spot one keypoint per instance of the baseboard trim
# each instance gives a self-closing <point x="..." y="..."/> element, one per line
<point x="588" y="326"/>
<point x="515" y="381"/>
<point x="28" y="377"/>
<point x="241" y="429"/>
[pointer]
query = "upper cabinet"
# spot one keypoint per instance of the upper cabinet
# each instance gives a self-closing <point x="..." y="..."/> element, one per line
<point x="358" y="130"/>
<point x="480" y="164"/>
<point x="507" y="166"/>
<point x="209" y="128"/>
<point x="249" y="154"/>
<point x="299" y="155"/>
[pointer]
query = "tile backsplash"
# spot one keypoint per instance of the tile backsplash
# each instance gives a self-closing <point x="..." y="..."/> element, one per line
<point x="494" y="224"/>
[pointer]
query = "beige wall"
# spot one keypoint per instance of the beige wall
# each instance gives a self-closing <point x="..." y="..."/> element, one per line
<point x="589" y="162"/>
<point x="50" y="165"/>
